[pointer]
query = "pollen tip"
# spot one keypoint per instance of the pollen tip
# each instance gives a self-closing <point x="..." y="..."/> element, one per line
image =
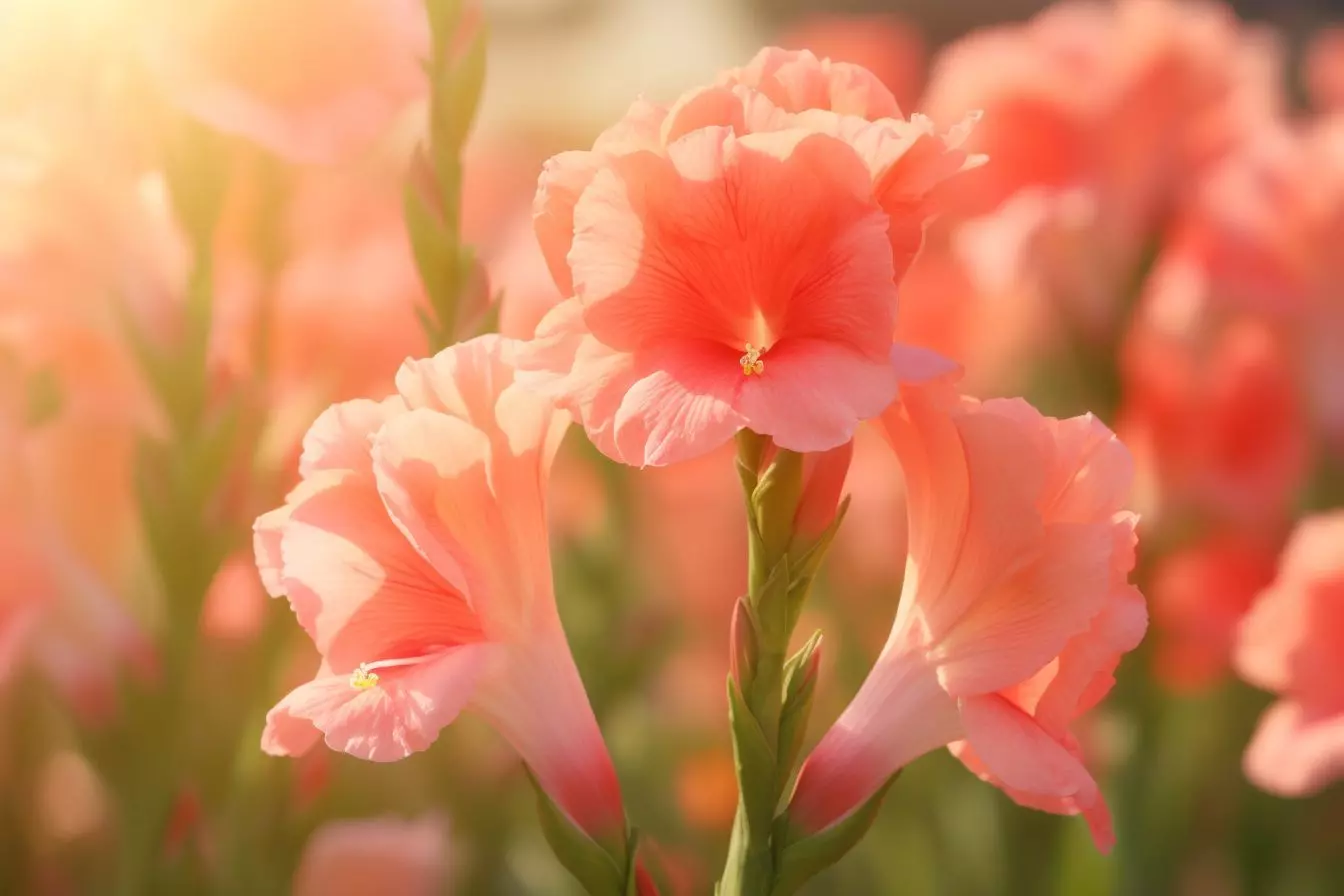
<point x="751" y="362"/>
<point x="362" y="679"/>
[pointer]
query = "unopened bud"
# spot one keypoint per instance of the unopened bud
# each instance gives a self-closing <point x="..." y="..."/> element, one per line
<point x="824" y="475"/>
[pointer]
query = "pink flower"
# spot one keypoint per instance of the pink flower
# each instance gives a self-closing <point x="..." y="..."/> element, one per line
<point x="1014" y="612"/>
<point x="375" y="855"/>
<point x="1292" y="643"/>
<point x="311" y="80"/>
<point x="414" y="553"/>
<point x="733" y="262"/>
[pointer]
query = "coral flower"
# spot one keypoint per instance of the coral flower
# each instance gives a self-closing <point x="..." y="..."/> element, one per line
<point x="1199" y="595"/>
<point x="888" y="46"/>
<point x="1292" y="643"/>
<point x="375" y="855"/>
<point x="1264" y="234"/>
<point x="733" y="262"/>
<point x="1014" y="612"/>
<point x="1113" y="111"/>
<point x="1213" y="412"/>
<point x="414" y="553"/>
<point x="311" y="80"/>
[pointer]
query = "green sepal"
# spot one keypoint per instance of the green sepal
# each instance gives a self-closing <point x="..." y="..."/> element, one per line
<point x="745" y="642"/>
<point x="443" y="20"/>
<point x="631" y="851"/>
<point x="751" y="448"/>
<point x="775" y="501"/>
<point x="800" y="685"/>
<point x="806" y="564"/>
<point x="432" y="244"/>
<point x="772" y="612"/>
<point x="755" y="762"/>
<point x="595" y="868"/>
<point x="804" y="858"/>
<point x="45" y="397"/>
<point x="456" y="94"/>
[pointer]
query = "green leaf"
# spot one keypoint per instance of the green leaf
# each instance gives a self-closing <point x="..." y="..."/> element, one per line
<point x="593" y="866"/>
<point x="755" y="761"/>
<point x="802" y="859"/>
<point x="800" y="685"/>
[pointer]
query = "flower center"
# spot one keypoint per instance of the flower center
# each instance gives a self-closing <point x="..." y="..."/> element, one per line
<point x="362" y="678"/>
<point x="751" y="362"/>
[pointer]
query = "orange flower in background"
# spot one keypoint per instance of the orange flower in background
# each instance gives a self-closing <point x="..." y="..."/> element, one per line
<point x="69" y="379"/>
<point x="1264" y="234"/>
<point x="979" y="293"/>
<point x="375" y="855"/>
<point x="1199" y="595"/>
<point x="335" y="313"/>
<point x="1213" y="414"/>
<point x="1113" y="108"/>
<point x="888" y="46"/>
<point x="1323" y="70"/>
<point x="1292" y="643"/>
<point x="733" y="265"/>
<point x="1013" y="616"/>
<point x="1129" y="99"/>
<point x="414" y="553"/>
<point x="311" y="80"/>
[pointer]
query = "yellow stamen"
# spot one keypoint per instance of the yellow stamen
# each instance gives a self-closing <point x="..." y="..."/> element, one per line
<point x="362" y="679"/>
<point x="751" y="362"/>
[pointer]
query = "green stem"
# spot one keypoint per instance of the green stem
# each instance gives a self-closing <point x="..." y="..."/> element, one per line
<point x="772" y="500"/>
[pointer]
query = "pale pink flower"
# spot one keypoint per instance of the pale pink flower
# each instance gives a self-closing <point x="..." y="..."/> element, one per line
<point x="70" y="532"/>
<point x="414" y="553"/>
<point x="733" y="262"/>
<point x="311" y="80"/>
<point x="375" y="855"/>
<point x="1292" y="643"/>
<point x="1013" y="616"/>
<point x="334" y="314"/>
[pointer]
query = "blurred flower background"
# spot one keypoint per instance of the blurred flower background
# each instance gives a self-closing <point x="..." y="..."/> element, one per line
<point x="204" y="243"/>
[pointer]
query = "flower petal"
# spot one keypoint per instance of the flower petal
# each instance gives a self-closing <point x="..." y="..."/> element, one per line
<point x="401" y="714"/>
